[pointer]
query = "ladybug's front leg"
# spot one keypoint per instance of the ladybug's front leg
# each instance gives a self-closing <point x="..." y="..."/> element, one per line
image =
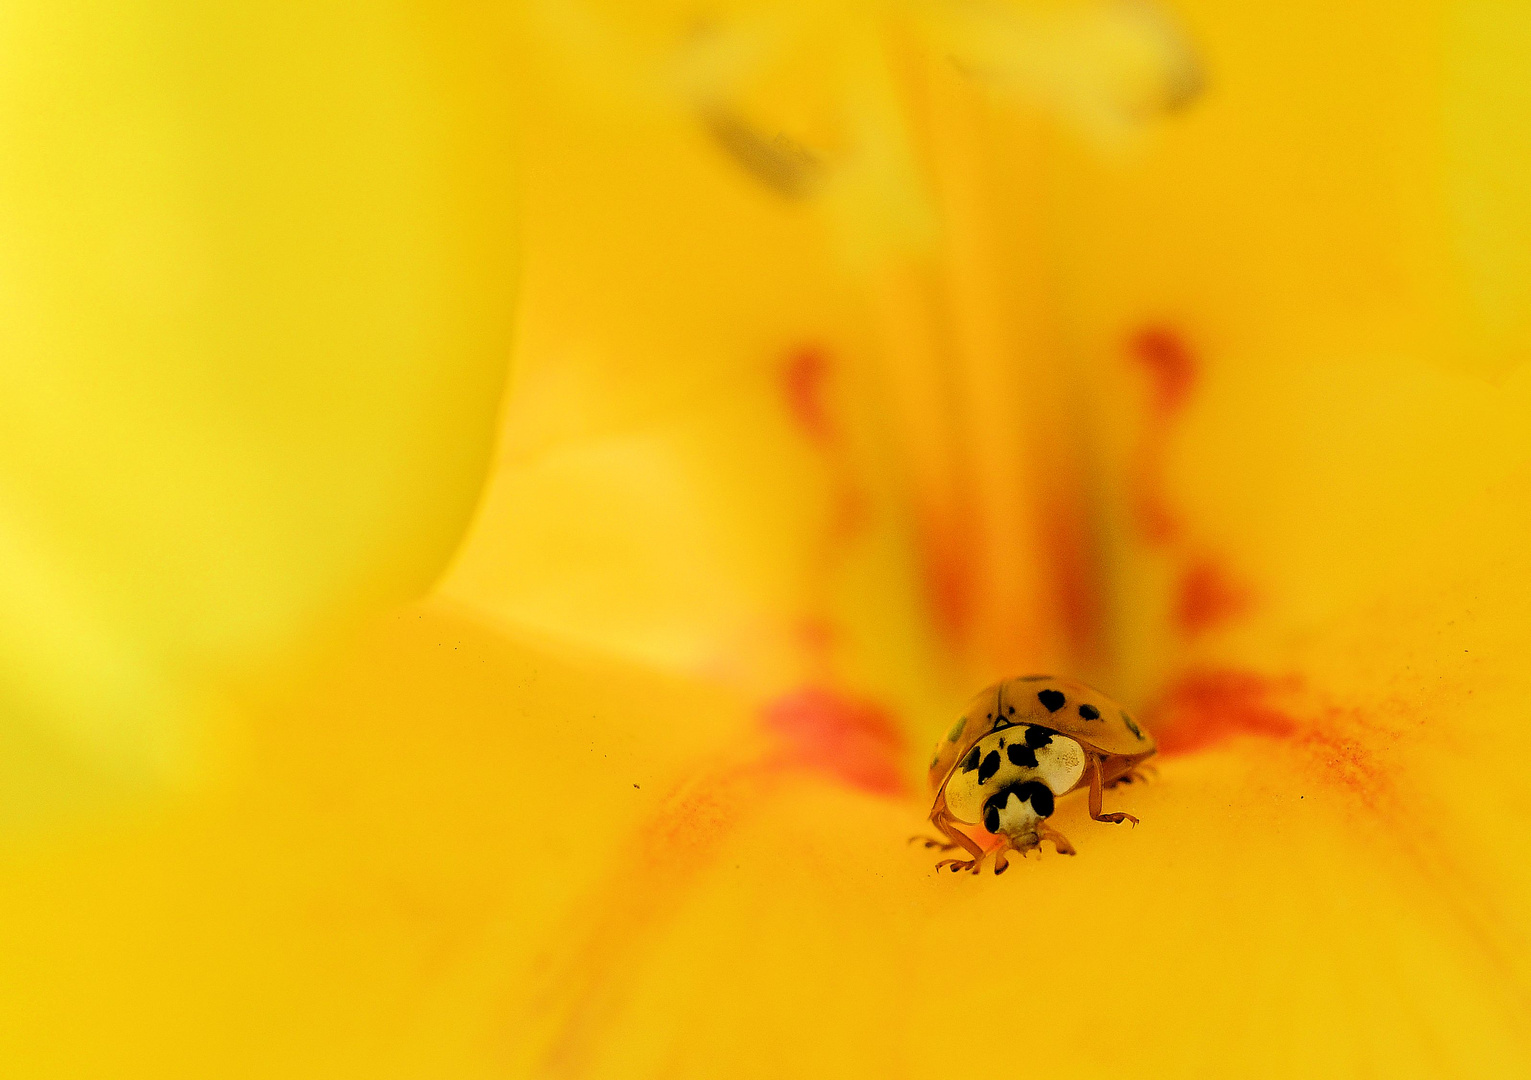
<point x="938" y="821"/>
<point x="1034" y="843"/>
<point x="1007" y="844"/>
<point x="1095" y="792"/>
<point x="958" y="839"/>
<point x="1060" y="842"/>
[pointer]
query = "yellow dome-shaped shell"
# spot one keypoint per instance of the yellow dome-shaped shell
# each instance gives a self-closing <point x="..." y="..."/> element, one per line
<point x="1062" y="705"/>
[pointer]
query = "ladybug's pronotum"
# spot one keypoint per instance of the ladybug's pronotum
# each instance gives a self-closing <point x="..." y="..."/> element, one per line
<point x="1019" y="745"/>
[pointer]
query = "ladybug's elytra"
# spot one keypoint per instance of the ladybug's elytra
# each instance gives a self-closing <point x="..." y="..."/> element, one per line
<point x="1019" y="745"/>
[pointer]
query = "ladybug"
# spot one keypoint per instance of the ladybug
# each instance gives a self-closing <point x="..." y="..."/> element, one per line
<point x="1017" y="747"/>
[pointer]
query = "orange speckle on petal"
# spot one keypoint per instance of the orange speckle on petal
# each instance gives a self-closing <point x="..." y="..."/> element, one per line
<point x="1208" y="596"/>
<point x="1154" y="519"/>
<point x="1076" y="584"/>
<point x="948" y="576"/>
<point x="586" y="979"/>
<point x="1343" y="746"/>
<point x="1207" y="707"/>
<point x="1169" y="363"/>
<point x="803" y="382"/>
<point x="854" y="741"/>
<point x="817" y="636"/>
<point x="1171" y="368"/>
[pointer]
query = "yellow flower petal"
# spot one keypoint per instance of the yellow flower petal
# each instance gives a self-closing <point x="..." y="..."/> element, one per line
<point x="258" y="270"/>
<point x="787" y="470"/>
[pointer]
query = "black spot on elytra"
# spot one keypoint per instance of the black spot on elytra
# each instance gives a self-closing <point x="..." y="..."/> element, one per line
<point x="1024" y="756"/>
<point x="1012" y="710"/>
<point x="1052" y="700"/>
<point x="991" y="816"/>
<point x="1036" y="736"/>
<point x="1089" y="712"/>
<point x="970" y="762"/>
<point x="1132" y="727"/>
<point x="989" y="767"/>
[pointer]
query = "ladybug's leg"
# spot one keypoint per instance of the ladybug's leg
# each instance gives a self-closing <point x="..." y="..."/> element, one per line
<point x="1095" y="787"/>
<point x="932" y="842"/>
<point x="1060" y="841"/>
<point x="954" y="838"/>
<point x="1138" y="775"/>
<point x="958" y="839"/>
<point x="938" y="819"/>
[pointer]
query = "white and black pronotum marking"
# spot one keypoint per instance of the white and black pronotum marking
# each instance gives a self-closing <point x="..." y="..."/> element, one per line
<point x="1009" y="779"/>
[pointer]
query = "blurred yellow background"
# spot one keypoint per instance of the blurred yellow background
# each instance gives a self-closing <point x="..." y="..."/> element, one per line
<point x="496" y="503"/>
